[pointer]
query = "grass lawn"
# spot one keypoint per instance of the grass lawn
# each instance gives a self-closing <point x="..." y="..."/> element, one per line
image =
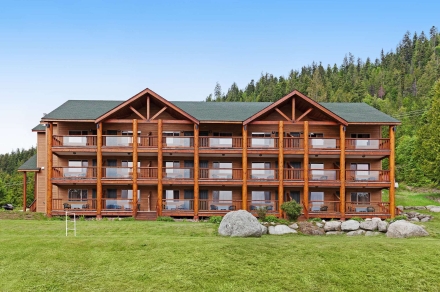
<point x="183" y="256"/>
<point x="408" y="198"/>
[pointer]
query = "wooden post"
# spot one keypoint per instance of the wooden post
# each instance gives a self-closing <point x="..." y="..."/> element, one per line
<point x="148" y="107"/>
<point x="293" y="109"/>
<point x="342" y="172"/>
<point x="24" y="190"/>
<point x="159" y="168"/>
<point x="49" y="169"/>
<point x="244" y="190"/>
<point x="99" y="171"/>
<point x="35" y="190"/>
<point x="306" y="166"/>
<point x="280" y="166"/>
<point x="135" y="167"/>
<point x="196" y="171"/>
<point x="392" y="172"/>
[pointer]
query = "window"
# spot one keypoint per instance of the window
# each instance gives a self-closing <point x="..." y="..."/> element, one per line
<point x="222" y="196"/>
<point x="317" y="200"/>
<point x="77" y="195"/>
<point x="222" y="170"/>
<point x="317" y="170"/>
<point x="170" y="134"/>
<point x="78" y="133"/>
<point x="360" y="136"/>
<point x="262" y="139"/>
<point x="360" y="198"/>
<point x="111" y="194"/>
<point x="360" y="171"/>
<point x="171" y="195"/>
<point x="316" y="135"/>
<point x="261" y="196"/>
<point x="77" y="168"/>
<point x="128" y="194"/>
<point x="75" y="139"/>
<point x="172" y="169"/>
<point x="295" y="196"/>
<point x="224" y="141"/>
<point x="261" y="170"/>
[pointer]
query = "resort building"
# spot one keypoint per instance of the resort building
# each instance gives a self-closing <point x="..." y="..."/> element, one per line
<point x="147" y="157"/>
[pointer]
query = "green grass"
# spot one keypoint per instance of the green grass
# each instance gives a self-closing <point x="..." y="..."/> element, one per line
<point x="185" y="256"/>
<point x="408" y="198"/>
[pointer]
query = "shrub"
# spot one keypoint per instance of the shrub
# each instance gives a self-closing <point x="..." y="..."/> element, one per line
<point x="358" y="219"/>
<point x="271" y="218"/>
<point x="292" y="210"/>
<point x="398" y="217"/>
<point x="82" y="218"/>
<point x="165" y="219"/>
<point x="215" y="219"/>
<point x="317" y="219"/>
<point x="261" y="212"/>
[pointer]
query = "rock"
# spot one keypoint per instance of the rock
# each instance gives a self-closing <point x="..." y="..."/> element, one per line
<point x="320" y="225"/>
<point x="403" y="228"/>
<point x="412" y="214"/>
<point x="293" y="226"/>
<point x="377" y="219"/>
<point x="430" y="206"/>
<point x="372" y="233"/>
<point x="435" y="209"/>
<point x="310" y="228"/>
<point x="334" y="233"/>
<point x="332" y="226"/>
<point x="382" y="226"/>
<point x="408" y="207"/>
<point x="369" y="225"/>
<point x="415" y="219"/>
<point x="350" y="225"/>
<point x="240" y="223"/>
<point x="263" y="229"/>
<point x="420" y="207"/>
<point x="356" y="232"/>
<point x="426" y="219"/>
<point x="280" y="229"/>
<point x="400" y="208"/>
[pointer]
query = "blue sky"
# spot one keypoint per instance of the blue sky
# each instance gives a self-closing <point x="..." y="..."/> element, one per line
<point x="52" y="51"/>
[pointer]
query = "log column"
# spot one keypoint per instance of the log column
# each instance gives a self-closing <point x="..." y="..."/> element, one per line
<point x="49" y="170"/>
<point x="159" y="167"/>
<point x="280" y="166"/>
<point x="244" y="190"/>
<point x="196" y="172"/>
<point x="306" y="167"/>
<point x="342" y="172"/>
<point x="135" y="167"/>
<point x="99" y="171"/>
<point x="24" y="190"/>
<point x="392" y="171"/>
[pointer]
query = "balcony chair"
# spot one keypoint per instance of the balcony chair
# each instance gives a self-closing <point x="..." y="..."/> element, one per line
<point x="85" y="206"/>
<point x="231" y="208"/>
<point x="214" y="207"/>
<point x="370" y="209"/>
<point x="67" y="206"/>
<point x="323" y="208"/>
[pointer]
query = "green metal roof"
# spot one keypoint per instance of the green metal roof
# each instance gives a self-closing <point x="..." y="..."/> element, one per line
<point x="358" y="112"/>
<point x="39" y="128"/>
<point x="82" y="109"/>
<point x="221" y="111"/>
<point x="30" y="164"/>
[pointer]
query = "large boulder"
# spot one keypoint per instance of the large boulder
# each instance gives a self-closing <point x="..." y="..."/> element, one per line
<point x="356" y="232"/>
<point x="403" y="228"/>
<point x="435" y="209"/>
<point x="382" y="226"/>
<point x="369" y="224"/>
<point x="263" y="229"/>
<point x="240" y="223"/>
<point x="350" y="225"/>
<point x="332" y="226"/>
<point x="281" y="229"/>
<point x="310" y="229"/>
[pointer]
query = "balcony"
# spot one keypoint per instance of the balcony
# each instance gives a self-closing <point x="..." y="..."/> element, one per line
<point x="292" y="174"/>
<point x="293" y="143"/>
<point x="148" y="141"/>
<point x="147" y="173"/>
<point x="177" y="205"/>
<point x="324" y="206"/>
<point x="220" y="206"/>
<point x="262" y="174"/>
<point x="61" y="204"/>
<point x="263" y="143"/>
<point x="324" y="174"/>
<point x="221" y="174"/>
<point x="368" y="176"/>
<point x="109" y="204"/>
<point x="324" y="143"/>
<point x="221" y="142"/>
<point x="178" y="173"/>
<point x="74" y="141"/>
<point x="367" y="144"/>
<point x="367" y="208"/>
<point x="117" y="141"/>
<point x="271" y="206"/>
<point x="117" y="172"/>
<point x="177" y="142"/>
<point x="74" y="173"/>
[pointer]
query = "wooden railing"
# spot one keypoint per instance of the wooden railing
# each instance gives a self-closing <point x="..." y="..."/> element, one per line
<point x="179" y="205"/>
<point x="270" y="205"/>
<point x="221" y="173"/>
<point x="71" y="205"/>
<point x="293" y="174"/>
<point x="324" y="143"/>
<point x="324" y="206"/>
<point x="33" y="206"/>
<point x="147" y="172"/>
<point x="69" y="172"/>
<point x="148" y="141"/>
<point x="367" y="144"/>
<point x="219" y="205"/>
<point x="178" y="141"/>
<point x="117" y="141"/>
<point x="220" y="142"/>
<point x="263" y="142"/>
<point x="117" y="172"/>
<point x="368" y="207"/>
<point x="262" y="173"/>
<point x="368" y="175"/>
<point x="293" y="143"/>
<point x="324" y="174"/>
<point x="178" y="173"/>
<point x="109" y="204"/>
<point x="74" y="140"/>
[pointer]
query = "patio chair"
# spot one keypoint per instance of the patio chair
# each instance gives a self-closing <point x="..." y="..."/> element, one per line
<point x="66" y="206"/>
<point x="214" y="207"/>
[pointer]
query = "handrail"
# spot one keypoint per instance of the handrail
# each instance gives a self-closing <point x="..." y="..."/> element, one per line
<point x="262" y="173"/>
<point x="293" y="143"/>
<point x="74" y="140"/>
<point x="324" y="174"/>
<point x="148" y="141"/>
<point x="219" y="205"/>
<point x="33" y="206"/>
<point x="178" y="172"/>
<point x="367" y="143"/>
<point x="65" y="203"/>
<point x="263" y="142"/>
<point x="117" y="172"/>
<point x="293" y="174"/>
<point x="177" y="204"/>
<point x="220" y="142"/>
<point x="324" y="206"/>
<point x="178" y="141"/>
<point x="117" y="204"/>
<point x="324" y="143"/>
<point x="271" y="205"/>
<point x="74" y="172"/>
<point x="221" y="173"/>
<point x="147" y="173"/>
<point x="369" y="207"/>
<point x="368" y="175"/>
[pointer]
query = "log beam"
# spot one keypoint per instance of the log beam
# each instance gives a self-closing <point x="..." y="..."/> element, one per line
<point x="158" y="113"/>
<point x="244" y="169"/>
<point x="392" y="171"/>
<point x="280" y="166"/>
<point x="342" y="171"/>
<point x="306" y="167"/>
<point x="99" y="171"/>
<point x="304" y="114"/>
<point x="148" y="107"/>
<point x="24" y="190"/>
<point x="282" y="114"/>
<point x="138" y="113"/>
<point x="293" y="109"/>
<point x="49" y="169"/>
<point x="159" y="167"/>
<point x="135" y="168"/>
<point x="196" y="172"/>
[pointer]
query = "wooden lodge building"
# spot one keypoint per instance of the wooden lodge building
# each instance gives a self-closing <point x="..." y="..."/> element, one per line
<point x="147" y="157"/>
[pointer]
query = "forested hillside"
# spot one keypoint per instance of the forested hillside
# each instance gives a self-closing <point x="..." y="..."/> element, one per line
<point x="399" y="83"/>
<point x="11" y="182"/>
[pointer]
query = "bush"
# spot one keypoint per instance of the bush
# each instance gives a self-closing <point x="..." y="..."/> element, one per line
<point x="271" y="218"/>
<point x="215" y="219"/>
<point x="398" y="217"/>
<point x="292" y="210"/>
<point x="315" y="219"/>
<point x="358" y="219"/>
<point x="261" y="212"/>
<point x="165" y="219"/>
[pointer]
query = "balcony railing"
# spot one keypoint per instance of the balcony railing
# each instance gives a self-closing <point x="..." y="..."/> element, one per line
<point x="270" y="205"/>
<point x="148" y="141"/>
<point x="74" y="141"/>
<point x="66" y="204"/>
<point x="177" y="205"/>
<point x="294" y="174"/>
<point x="324" y="206"/>
<point x="178" y="142"/>
<point x="117" y="204"/>
<point x="221" y="173"/>
<point x="117" y="141"/>
<point x="221" y="142"/>
<point x="69" y="172"/>
<point x="324" y="143"/>
<point x="117" y="172"/>
<point x="324" y="174"/>
<point x="178" y="173"/>
<point x="293" y="143"/>
<point x="263" y="142"/>
<point x="219" y="205"/>
<point x="367" y="144"/>
<point x="262" y="173"/>
<point x="147" y="172"/>
<point x="368" y="175"/>
<point x="368" y="207"/>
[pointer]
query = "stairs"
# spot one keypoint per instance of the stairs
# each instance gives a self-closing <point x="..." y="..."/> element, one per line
<point x="145" y="215"/>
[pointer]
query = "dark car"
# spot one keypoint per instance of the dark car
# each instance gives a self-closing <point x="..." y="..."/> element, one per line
<point x="8" y="207"/>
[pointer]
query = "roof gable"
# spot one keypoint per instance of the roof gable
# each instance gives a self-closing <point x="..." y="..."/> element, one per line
<point x="30" y="164"/>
